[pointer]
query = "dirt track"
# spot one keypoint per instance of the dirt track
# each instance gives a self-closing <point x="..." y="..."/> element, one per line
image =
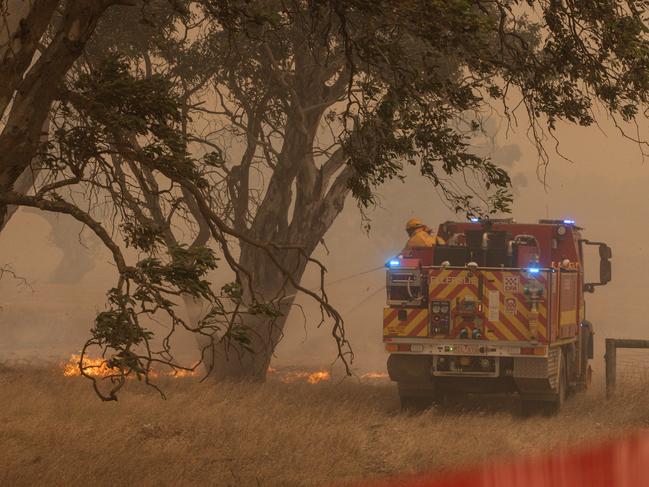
<point x="54" y="431"/>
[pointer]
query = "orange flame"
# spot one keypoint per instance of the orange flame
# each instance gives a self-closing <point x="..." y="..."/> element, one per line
<point x="184" y="373"/>
<point x="316" y="377"/>
<point x="310" y="377"/>
<point x="375" y="375"/>
<point x="98" y="367"/>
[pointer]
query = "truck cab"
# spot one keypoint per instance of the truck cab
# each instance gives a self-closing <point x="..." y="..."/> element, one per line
<point x="499" y="308"/>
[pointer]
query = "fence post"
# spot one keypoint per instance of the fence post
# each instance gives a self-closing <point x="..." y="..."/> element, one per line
<point x="610" y="358"/>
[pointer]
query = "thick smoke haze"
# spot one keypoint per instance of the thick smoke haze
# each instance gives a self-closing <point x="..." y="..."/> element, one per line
<point x="603" y="189"/>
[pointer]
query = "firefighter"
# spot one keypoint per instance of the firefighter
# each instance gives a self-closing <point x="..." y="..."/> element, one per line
<point x="419" y="235"/>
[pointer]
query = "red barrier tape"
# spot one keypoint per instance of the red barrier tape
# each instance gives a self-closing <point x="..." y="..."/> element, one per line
<point x="618" y="463"/>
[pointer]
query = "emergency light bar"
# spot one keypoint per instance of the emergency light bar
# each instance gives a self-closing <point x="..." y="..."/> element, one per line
<point x="394" y="263"/>
<point x="558" y="222"/>
<point x="475" y="219"/>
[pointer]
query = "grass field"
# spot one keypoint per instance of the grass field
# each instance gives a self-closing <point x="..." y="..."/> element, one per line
<point x="54" y="431"/>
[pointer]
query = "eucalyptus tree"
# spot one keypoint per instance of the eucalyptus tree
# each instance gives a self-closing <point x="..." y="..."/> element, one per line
<point x="111" y="128"/>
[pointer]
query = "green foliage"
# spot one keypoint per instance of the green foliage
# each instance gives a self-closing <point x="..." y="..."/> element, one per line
<point x="233" y="290"/>
<point x="128" y="105"/>
<point x="118" y="331"/>
<point x="141" y="236"/>
<point x="417" y="67"/>
<point x="119" y="107"/>
<point x="115" y="327"/>
<point x="214" y="159"/>
<point x="421" y="65"/>
<point x="132" y="31"/>
<point x="184" y="270"/>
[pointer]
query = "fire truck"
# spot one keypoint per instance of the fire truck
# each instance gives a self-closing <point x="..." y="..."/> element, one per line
<point x="499" y="308"/>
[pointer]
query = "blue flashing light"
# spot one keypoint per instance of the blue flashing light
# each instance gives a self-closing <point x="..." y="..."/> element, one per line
<point x="394" y="263"/>
<point x="474" y="219"/>
<point x="533" y="270"/>
<point x="569" y="222"/>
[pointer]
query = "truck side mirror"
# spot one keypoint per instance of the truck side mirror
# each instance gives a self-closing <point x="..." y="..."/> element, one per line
<point x="605" y="271"/>
<point x="605" y="252"/>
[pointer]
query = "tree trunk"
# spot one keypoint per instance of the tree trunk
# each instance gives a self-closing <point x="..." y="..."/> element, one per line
<point x="29" y="92"/>
<point x="23" y="184"/>
<point x="320" y="192"/>
<point x="77" y="261"/>
<point x="313" y="219"/>
<point x="232" y="362"/>
<point x="26" y="180"/>
<point x="13" y="44"/>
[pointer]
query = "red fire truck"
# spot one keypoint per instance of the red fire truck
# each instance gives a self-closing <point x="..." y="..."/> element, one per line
<point x="499" y="308"/>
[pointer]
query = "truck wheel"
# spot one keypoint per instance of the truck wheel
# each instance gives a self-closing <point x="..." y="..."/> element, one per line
<point x="548" y="406"/>
<point x="416" y="397"/>
<point x="585" y="353"/>
<point x="555" y="405"/>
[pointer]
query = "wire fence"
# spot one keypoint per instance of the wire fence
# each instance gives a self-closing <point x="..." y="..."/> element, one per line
<point x="626" y="364"/>
<point x="632" y="366"/>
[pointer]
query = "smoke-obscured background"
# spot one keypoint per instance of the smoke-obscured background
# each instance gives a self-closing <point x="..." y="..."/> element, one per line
<point x="602" y="188"/>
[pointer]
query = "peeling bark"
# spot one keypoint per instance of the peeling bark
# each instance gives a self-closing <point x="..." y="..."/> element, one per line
<point x="23" y="25"/>
<point x="25" y="181"/>
<point x="32" y="89"/>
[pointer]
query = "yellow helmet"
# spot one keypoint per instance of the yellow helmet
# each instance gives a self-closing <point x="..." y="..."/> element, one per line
<point x="413" y="223"/>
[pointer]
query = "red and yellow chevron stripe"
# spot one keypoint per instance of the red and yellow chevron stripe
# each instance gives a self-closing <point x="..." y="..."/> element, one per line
<point x="405" y="322"/>
<point x="515" y="319"/>
<point x="504" y="313"/>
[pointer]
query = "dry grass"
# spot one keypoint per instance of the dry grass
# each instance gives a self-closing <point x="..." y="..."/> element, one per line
<point x="54" y="431"/>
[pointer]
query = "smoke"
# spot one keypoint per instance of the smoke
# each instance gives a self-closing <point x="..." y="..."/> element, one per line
<point x="602" y="189"/>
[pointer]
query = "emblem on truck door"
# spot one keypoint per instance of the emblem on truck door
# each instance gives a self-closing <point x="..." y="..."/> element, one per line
<point x="511" y="284"/>
<point x="510" y="306"/>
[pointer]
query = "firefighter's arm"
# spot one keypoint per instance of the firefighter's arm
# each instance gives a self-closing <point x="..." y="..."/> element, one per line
<point x="429" y="240"/>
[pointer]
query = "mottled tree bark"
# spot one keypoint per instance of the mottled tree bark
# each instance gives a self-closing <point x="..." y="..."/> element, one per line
<point x="28" y="86"/>
<point x="25" y="182"/>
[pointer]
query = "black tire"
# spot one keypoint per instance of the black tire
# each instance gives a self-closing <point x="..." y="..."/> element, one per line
<point x="554" y="406"/>
<point x="585" y="354"/>
<point x="531" y="406"/>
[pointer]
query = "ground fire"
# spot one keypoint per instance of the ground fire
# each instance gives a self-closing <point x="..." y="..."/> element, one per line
<point x="97" y="367"/>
